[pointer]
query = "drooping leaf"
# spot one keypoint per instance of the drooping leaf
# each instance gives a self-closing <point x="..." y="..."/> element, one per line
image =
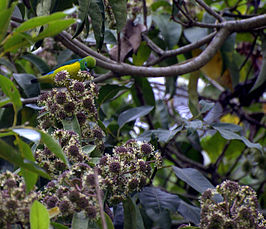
<point x="109" y="91"/>
<point x="119" y="8"/>
<point x="24" y="80"/>
<point x="132" y="216"/>
<point x="230" y="135"/>
<point x="39" y="216"/>
<point x="193" y="178"/>
<point x="12" y="92"/>
<point x="157" y="199"/>
<point x="133" y="114"/>
<point x="97" y="15"/>
<point x="37" y="62"/>
<point x="5" y="15"/>
<point x="10" y="154"/>
<point x="143" y="87"/>
<point x="142" y="55"/>
<point x="261" y="77"/>
<point x="170" y="30"/>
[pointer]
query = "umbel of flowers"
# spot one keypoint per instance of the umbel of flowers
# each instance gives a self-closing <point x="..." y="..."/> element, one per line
<point x="14" y="201"/>
<point x="128" y="169"/>
<point x="238" y="210"/>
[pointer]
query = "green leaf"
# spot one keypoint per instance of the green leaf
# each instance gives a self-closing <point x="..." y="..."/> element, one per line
<point x="54" y="28"/>
<point x="132" y="216"/>
<point x="193" y="178"/>
<point x="8" y="64"/>
<point x="37" y="62"/>
<point x="88" y="149"/>
<point x="82" y="15"/>
<point x="193" y="93"/>
<point x="230" y="135"/>
<point x="109" y="91"/>
<point x="10" y="154"/>
<point x="142" y="55"/>
<point x="39" y="216"/>
<point x="12" y="92"/>
<point x="108" y="221"/>
<point x="170" y="30"/>
<point x="133" y="114"/>
<point x="58" y="225"/>
<point x="24" y="80"/>
<point x="261" y="77"/>
<point x="39" y="21"/>
<point x="194" y="34"/>
<point x="79" y="221"/>
<point x="29" y="177"/>
<point x="142" y="85"/>
<point x="5" y="101"/>
<point x="72" y="124"/>
<point x="156" y="199"/>
<point x="119" y="8"/>
<point x="162" y="135"/>
<point x="97" y="8"/>
<point x="5" y="15"/>
<point x="53" y="146"/>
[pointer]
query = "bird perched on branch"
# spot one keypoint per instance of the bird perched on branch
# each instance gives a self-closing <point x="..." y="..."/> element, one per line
<point x="72" y="66"/>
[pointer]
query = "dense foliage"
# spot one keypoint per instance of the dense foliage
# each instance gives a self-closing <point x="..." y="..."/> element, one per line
<point x="167" y="130"/>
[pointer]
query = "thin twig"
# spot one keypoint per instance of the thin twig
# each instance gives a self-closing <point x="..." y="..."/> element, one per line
<point x="99" y="197"/>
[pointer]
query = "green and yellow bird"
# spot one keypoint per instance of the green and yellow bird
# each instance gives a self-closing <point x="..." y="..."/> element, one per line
<point x="72" y="66"/>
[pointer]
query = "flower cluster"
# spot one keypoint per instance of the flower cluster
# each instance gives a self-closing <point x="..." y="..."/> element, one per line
<point x="69" y="141"/>
<point x="76" y="101"/>
<point x="14" y="201"/>
<point x="73" y="191"/>
<point x="128" y="169"/>
<point x="238" y="210"/>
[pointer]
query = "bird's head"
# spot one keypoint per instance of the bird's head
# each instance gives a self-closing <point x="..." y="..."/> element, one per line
<point x="87" y="63"/>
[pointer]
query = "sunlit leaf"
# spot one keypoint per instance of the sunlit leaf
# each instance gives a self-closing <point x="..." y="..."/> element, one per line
<point x="39" y="216"/>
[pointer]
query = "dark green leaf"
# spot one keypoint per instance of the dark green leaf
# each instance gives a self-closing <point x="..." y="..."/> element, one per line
<point x="132" y="216"/>
<point x="39" y="216"/>
<point x="170" y="30"/>
<point x="53" y="146"/>
<point x="261" y="77"/>
<point x="157" y="199"/>
<point x="193" y="178"/>
<point x="142" y="88"/>
<point x="10" y="154"/>
<point x="8" y="64"/>
<point x="37" y="62"/>
<point x="119" y="8"/>
<point x="109" y="91"/>
<point x="24" y="80"/>
<point x="132" y="114"/>
<point x="96" y="9"/>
